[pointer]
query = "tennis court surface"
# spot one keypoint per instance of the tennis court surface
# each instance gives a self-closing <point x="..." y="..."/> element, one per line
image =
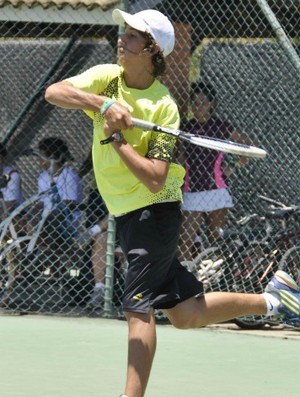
<point x="43" y="356"/>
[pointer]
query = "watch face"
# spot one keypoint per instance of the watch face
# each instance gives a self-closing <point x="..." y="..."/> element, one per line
<point x="118" y="136"/>
<point x="115" y="137"/>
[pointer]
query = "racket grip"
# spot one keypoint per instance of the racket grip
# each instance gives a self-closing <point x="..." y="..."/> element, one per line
<point x="144" y="125"/>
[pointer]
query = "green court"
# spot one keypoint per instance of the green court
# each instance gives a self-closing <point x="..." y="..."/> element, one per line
<point x="44" y="356"/>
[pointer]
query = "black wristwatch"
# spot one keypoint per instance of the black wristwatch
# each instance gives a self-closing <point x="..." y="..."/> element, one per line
<point x="115" y="137"/>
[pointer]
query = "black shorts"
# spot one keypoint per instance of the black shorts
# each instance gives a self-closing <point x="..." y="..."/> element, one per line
<point x="155" y="278"/>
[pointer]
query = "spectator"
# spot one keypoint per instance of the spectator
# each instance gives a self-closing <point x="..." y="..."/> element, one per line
<point x="96" y="208"/>
<point x="64" y="216"/>
<point x="10" y="184"/>
<point x="97" y="216"/>
<point x="206" y="195"/>
<point x="97" y="223"/>
<point x="10" y="198"/>
<point x="66" y="179"/>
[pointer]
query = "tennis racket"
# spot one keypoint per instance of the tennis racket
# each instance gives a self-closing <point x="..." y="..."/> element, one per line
<point x="210" y="143"/>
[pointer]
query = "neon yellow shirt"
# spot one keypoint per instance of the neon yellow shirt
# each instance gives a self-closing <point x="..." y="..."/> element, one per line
<point x="121" y="190"/>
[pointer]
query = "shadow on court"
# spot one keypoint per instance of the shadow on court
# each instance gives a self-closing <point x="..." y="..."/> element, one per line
<point x="85" y="357"/>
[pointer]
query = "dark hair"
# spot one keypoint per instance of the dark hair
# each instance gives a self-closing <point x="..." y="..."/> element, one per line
<point x="203" y="88"/>
<point x="3" y="151"/>
<point x="158" y="60"/>
<point x="55" y="148"/>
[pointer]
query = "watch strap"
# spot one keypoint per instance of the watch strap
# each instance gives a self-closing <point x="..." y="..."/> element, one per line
<point x="115" y="137"/>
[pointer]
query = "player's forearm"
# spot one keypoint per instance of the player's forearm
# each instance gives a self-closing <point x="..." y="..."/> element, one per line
<point x="152" y="173"/>
<point x="65" y="95"/>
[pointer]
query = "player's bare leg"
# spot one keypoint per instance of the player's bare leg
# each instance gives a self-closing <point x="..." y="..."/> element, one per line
<point x="141" y="350"/>
<point x="215" y="307"/>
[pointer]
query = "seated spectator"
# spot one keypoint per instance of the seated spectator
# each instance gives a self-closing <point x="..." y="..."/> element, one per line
<point x="66" y="179"/>
<point x="64" y="215"/>
<point x="10" y="198"/>
<point x="97" y="220"/>
<point x="96" y="209"/>
<point x="10" y="185"/>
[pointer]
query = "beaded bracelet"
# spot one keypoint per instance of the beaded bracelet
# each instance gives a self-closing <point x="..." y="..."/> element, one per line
<point x="106" y="105"/>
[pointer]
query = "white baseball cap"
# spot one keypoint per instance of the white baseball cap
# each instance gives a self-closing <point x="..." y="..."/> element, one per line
<point x="151" y="21"/>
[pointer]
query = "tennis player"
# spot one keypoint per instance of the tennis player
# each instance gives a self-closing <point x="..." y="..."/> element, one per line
<point x="141" y="187"/>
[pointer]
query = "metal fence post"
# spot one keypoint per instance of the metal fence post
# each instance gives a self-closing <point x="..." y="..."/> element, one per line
<point x="110" y="263"/>
<point x="111" y="233"/>
<point x="280" y="34"/>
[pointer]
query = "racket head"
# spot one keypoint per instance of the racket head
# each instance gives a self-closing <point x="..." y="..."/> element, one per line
<point x="225" y="146"/>
<point x="209" y="143"/>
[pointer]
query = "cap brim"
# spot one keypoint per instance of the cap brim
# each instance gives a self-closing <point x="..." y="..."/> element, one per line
<point x="121" y="17"/>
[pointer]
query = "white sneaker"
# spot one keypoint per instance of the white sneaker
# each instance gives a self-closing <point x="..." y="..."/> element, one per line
<point x="287" y="291"/>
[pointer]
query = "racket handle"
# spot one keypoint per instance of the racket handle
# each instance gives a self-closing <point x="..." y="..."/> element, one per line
<point x="144" y="125"/>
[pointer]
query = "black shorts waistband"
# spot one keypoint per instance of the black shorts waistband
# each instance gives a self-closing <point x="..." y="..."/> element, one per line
<point x="169" y="205"/>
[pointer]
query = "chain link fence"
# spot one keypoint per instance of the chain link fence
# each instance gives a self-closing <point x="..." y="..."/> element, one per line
<point x="248" y="52"/>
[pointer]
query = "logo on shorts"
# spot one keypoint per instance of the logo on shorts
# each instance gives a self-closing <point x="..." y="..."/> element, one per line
<point x="138" y="297"/>
<point x="145" y="215"/>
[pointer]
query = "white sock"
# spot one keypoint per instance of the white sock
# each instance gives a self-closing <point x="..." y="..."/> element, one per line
<point x="273" y="303"/>
<point x="93" y="231"/>
<point x="99" y="285"/>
